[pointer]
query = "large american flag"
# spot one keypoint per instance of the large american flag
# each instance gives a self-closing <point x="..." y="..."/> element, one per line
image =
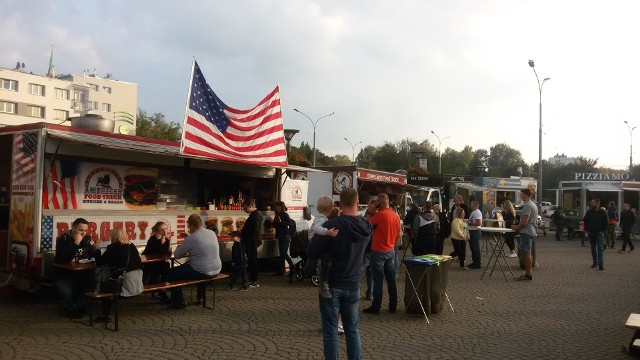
<point x="24" y="158"/>
<point x="60" y="185"/>
<point x="214" y="130"/>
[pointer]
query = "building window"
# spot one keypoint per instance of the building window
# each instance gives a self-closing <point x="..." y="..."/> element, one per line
<point x="94" y="105"/>
<point x="106" y="107"/>
<point x="62" y="94"/>
<point x="36" y="111"/>
<point x="9" y="84"/>
<point x="35" y="89"/>
<point x="106" y="89"/>
<point x="94" y="87"/>
<point x="8" y="107"/>
<point x="60" y="114"/>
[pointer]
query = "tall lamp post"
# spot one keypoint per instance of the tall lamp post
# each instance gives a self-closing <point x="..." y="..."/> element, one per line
<point x="288" y="135"/>
<point x="353" y="150"/>
<point x="439" y="151"/>
<point x="630" y="146"/>
<point x="314" y="123"/>
<point x="539" y="196"/>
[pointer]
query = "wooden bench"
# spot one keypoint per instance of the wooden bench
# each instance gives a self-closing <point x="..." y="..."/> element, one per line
<point x="633" y="322"/>
<point x="115" y="298"/>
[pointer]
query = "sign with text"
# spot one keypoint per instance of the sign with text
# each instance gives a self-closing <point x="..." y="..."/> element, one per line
<point x="602" y="176"/>
<point x="384" y="177"/>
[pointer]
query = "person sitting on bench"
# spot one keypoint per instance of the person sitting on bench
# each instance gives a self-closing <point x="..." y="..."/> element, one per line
<point x="204" y="251"/>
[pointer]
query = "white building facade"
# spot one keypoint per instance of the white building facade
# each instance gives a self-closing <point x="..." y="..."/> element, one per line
<point x="27" y="98"/>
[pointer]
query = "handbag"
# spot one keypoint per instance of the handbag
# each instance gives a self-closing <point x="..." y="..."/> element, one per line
<point x="111" y="282"/>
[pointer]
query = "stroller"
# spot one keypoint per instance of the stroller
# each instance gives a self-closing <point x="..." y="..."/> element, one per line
<point x="298" y="252"/>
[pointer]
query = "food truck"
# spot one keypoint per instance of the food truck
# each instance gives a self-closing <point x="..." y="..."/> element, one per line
<point x="55" y="174"/>
<point x="369" y="183"/>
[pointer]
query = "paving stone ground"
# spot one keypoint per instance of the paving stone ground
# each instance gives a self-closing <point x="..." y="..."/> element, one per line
<point x="569" y="311"/>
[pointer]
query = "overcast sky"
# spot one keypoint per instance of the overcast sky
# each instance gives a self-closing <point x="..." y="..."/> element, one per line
<point x="388" y="69"/>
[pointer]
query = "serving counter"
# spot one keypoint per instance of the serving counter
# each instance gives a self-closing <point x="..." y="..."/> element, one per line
<point x="138" y="224"/>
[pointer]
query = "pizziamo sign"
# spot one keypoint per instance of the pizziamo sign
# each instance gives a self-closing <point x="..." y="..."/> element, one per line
<point x="602" y="177"/>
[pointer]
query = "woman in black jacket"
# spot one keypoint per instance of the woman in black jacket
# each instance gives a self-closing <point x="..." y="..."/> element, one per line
<point x="158" y="244"/>
<point x="281" y="223"/>
<point x="121" y="256"/>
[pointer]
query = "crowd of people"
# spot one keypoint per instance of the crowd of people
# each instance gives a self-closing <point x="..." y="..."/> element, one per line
<point x="346" y="244"/>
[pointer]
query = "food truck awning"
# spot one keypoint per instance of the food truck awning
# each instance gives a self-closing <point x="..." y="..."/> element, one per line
<point x="302" y="168"/>
<point x="116" y="141"/>
<point x="474" y="187"/>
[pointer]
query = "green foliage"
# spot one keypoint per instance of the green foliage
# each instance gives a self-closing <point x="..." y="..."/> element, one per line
<point x="157" y="127"/>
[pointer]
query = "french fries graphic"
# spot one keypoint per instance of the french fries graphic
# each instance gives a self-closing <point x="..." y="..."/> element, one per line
<point x="21" y="222"/>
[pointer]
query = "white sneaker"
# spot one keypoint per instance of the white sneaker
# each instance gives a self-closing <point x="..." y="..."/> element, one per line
<point x="340" y="329"/>
<point x="512" y="255"/>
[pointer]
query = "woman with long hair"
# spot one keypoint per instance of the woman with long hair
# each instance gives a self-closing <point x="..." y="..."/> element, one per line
<point x="509" y="216"/>
<point x="281" y="223"/>
<point x="158" y="244"/>
<point x="459" y="235"/>
<point x="121" y="256"/>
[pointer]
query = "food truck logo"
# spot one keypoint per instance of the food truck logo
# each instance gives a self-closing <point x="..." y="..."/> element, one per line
<point x="296" y="193"/>
<point x="299" y="175"/>
<point x="103" y="186"/>
<point x="341" y="181"/>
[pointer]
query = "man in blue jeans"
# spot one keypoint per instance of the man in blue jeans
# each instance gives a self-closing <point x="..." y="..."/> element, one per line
<point x="386" y="225"/>
<point x="346" y="252"/>
<point x="528" y="231"/>
<point x="596" y="221"/>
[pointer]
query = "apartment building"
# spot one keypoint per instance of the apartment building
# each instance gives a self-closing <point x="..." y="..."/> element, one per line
<point x="28" y="98"/>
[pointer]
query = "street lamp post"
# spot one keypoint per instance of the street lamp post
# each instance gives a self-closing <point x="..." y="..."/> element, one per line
<point x="288" y="135"/>
<point x="630" y="147"/>
<point x="539" y="196"/>
<point x="314" y="123"/>
<point x="439" y="151"/>
<point x="353" y="150"/>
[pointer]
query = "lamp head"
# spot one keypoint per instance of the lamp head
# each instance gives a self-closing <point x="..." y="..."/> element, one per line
<point x="289" y="133"/>
<point x="296" y="110"/>
<point x="625" y="121"/>
<point x="531" y="63"/>
<point x="433" y="132"/>
<point x="545" y="79"/>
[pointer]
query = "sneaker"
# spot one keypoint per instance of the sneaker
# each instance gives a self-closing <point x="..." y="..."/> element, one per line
<point x="253" y="285"/>
<point x="621" y="252"/>
<point x="229" y="288"/>
<point x="525" y="278"/>
<point x="340" y="329"/>
<point x="594" y="266"/>
<point x="244" y="288"/>
<point x="512" y="255"/>
<point x="601" y="267"/>
<point x="371" y="310"/>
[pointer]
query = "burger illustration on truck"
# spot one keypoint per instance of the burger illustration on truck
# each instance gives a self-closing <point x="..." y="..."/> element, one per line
<point x="140" y="188"/>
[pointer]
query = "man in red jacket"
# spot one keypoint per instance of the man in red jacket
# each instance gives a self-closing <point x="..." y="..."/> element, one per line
<point x="386" y="228"/>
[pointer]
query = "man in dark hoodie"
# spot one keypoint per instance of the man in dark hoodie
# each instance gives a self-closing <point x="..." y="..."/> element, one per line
<point x="425" y="230"/>
<point x="346" y="251"/>
<point x="595" y="224"/>
<point x="72" y="246"/>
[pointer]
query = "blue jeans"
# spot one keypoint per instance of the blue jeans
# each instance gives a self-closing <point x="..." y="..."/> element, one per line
<point x="344" y="302"/>
<point x="73" y="285"/>
<point x="366" y="269"/>
<point x="396" y="258"/>
<point x="185" y="272"/>
<point x="474" y="245"/>
<point x="596" y="239"/>
<point x="283" y="248"/>
<point x="382" y="267"/>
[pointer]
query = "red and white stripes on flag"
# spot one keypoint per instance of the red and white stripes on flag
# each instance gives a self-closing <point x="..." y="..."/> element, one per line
<point x="24" y="162"/>
<point x="58" y="190"/>
<point x="215" y="130"/>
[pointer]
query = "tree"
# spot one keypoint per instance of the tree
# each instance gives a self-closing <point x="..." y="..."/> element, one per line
<point x="457" y="162"/>
<point x="366" y="157"/>
<point x="504" y="161"/>
<point x="341" y="160"/>
<point x="386" y="158"/>
<point x="478" y="162"/>
<point x="157" y="127"/>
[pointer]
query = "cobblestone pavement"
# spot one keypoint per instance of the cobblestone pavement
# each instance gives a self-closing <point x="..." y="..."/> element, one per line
<point x="569" y="311"/>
